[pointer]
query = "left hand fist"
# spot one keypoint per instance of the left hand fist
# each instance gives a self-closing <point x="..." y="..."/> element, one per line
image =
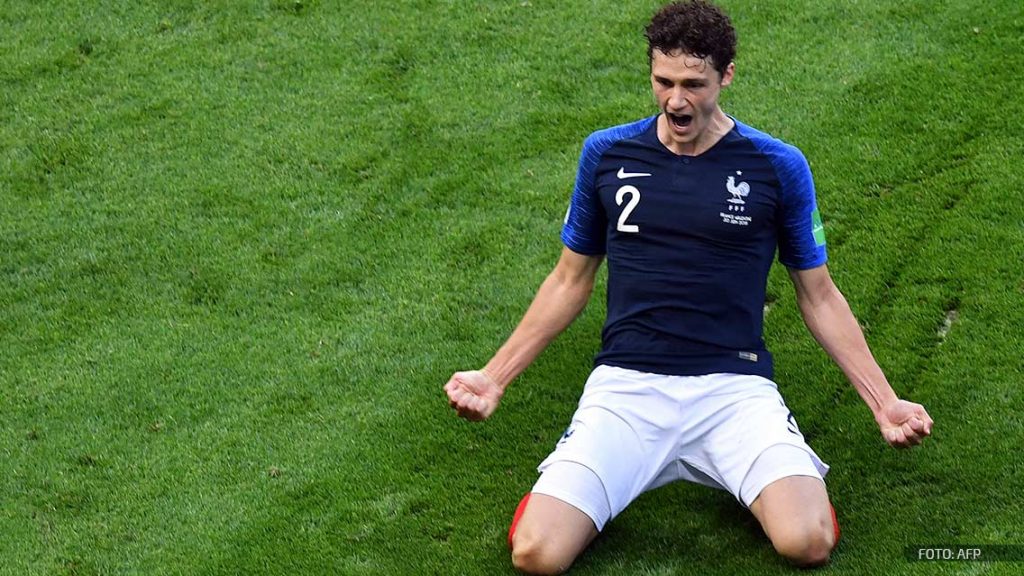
<point x="904" y="424"/>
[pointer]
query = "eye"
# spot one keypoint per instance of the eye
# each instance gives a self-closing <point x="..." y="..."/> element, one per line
<point x="665" y="82"/>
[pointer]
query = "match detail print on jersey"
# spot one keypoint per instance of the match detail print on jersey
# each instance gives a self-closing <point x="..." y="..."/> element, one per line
<point x="736" y="203"/>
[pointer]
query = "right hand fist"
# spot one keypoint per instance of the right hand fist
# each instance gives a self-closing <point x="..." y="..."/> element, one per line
<point x="474" y="395"/>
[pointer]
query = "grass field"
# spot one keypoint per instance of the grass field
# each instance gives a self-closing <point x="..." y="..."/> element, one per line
<point x="244" y="244"/>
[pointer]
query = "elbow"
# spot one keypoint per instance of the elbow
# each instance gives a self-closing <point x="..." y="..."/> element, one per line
<point x="576" y="289"/>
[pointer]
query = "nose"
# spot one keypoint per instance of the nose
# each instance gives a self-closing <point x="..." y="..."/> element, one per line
<point x="677" y="99"/>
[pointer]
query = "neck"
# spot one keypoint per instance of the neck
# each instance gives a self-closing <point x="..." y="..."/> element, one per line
<point x="719" y="125"/>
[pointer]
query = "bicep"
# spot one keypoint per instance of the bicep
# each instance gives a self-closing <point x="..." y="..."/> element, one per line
<point x="813" y="285"/>
<point x="574" y="268"/>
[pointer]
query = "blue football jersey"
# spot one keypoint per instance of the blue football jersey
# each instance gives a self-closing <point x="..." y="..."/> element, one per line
<point x="689" y="241"/>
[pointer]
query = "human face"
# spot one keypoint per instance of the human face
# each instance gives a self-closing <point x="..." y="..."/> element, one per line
<point x="686" y="89"/>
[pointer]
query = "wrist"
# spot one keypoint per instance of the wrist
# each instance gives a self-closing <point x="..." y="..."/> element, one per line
<point x="490" y="378"/>
<point x="880" y="412"/>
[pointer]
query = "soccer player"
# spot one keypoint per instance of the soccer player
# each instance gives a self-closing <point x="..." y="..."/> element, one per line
<point x="689" y="207"/>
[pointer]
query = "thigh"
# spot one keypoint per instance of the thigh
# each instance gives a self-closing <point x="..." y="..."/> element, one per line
<point x="750" y="418"/>
<point x="550" y="535"/>
<point x="796" y="515"/>
<point x="625" y="431"/>
<point x="793" y="503"/>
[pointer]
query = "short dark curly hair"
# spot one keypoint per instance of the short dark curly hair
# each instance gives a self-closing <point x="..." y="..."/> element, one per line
<point x="695" y="27"/>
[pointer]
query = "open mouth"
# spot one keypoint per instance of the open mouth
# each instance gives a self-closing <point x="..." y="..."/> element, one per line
<point x="680" y="120"/>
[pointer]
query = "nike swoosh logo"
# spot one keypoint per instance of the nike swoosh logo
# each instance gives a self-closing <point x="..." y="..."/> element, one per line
<point x="624" y="175"/>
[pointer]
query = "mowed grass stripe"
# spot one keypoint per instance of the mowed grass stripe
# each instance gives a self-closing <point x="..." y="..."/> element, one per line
<point x="206" y="288"/>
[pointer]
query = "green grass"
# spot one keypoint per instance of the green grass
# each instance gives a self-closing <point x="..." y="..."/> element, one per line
<point x="244" y="244"/>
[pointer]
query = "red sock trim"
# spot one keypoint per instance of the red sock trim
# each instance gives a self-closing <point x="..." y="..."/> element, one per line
<point x="835" y="526"/>
<point x="517" y="516"/>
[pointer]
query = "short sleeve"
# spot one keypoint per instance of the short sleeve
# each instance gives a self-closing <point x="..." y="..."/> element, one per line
<point x="586" y="223"/>
<point x="801" y="234"/>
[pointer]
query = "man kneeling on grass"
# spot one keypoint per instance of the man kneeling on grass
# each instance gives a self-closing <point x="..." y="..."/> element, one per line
<point x="689" y="207"/>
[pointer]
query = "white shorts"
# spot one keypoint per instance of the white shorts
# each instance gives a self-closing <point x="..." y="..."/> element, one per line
<point x="635" y="431"/>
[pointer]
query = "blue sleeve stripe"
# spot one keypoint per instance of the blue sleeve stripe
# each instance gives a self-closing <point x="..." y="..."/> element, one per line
<point x="797" y="246"/>
<point x="586" y="223"/>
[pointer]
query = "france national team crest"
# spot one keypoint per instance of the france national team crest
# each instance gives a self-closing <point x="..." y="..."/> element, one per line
<point x="736" y="203"/>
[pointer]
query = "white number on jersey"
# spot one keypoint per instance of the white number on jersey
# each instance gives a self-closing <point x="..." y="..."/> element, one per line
<point x="634" y="199"/>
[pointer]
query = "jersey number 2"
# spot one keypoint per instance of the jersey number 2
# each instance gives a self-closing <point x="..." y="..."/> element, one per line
<point x="634" y="199"/>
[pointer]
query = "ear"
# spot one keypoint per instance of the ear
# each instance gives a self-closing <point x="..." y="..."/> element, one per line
<point x="727" y="76"/>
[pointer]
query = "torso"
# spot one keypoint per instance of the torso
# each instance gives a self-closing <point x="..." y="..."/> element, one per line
<point x="689" y="242"/>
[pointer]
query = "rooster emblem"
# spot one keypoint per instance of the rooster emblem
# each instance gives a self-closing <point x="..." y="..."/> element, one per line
<point x="739" y="192"/>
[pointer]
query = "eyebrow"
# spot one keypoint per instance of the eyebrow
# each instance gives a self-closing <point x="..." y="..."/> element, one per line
<point x="685" y="81"/>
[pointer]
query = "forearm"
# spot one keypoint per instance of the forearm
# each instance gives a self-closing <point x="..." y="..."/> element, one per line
<point x="557" y="303"/>
<point x="835" y="328"/>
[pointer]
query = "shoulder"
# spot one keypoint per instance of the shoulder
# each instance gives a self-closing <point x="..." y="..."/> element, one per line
<point x="601" y="140"/>
<point x="777" y="150"/>
<point x="789" y="162"/>
<point x="785" y="157"/>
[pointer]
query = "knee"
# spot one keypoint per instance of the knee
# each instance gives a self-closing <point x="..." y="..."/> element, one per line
<point x="533" y="555"/>
<point x="805" y="547"/>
